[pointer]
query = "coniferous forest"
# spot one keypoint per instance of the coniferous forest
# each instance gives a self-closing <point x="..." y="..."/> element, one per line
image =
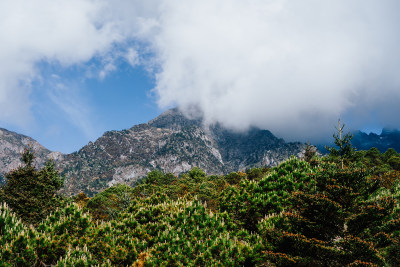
<point x="342" y="209"/>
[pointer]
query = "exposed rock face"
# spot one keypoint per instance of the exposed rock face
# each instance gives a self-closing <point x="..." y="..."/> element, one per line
<point x="387" y="139"/>
<point x="126" y="156"/>
<point x="11" y="147"/>
<point x="170" y="142"/>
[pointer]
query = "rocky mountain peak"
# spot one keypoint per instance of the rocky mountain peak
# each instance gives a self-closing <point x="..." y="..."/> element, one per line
<point x="171" y="143"/>
<point x="13" y="144"/>
<point x="174" y="119"/>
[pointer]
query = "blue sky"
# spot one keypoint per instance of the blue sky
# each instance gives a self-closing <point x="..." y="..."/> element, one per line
<point x="81" y="109"/>
<point x="115" y="102"/>
<point x="71" y="70"/>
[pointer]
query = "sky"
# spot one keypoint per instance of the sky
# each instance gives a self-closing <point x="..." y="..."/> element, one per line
<point x="71" y="70"/>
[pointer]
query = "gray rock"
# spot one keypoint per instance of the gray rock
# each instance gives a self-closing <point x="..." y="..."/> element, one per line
<point x="171" y="143"/>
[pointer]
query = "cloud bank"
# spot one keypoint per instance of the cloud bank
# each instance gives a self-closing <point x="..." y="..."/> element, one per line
<point x="62" y="32"/>
<point x="59" y="33"/>
<point x="293" y="67"/>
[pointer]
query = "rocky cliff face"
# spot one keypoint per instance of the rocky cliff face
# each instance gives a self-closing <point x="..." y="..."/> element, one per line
<point x="13" y="144"/>
<point x="170" y="142"/>
<point x="237" y="150"/>
<point x="125" y="156"/>
<point x="389" y="138"/>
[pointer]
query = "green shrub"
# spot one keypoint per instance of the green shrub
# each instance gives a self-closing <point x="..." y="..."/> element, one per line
<point x="110" y="202"/>
<point x="31" y="193"/>
<point x="394" y="162"/>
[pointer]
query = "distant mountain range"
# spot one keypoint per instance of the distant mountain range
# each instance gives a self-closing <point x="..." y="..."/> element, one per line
<point x="389" y="138"/>
<point x="171" y="143"/>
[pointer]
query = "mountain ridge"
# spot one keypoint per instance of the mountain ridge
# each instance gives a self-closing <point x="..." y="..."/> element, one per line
<point x="12" y="144"/>
<point x="171" y="143"/>
<point x="388" y="138"/>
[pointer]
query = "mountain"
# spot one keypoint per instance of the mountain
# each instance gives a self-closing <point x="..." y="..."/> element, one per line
<point x="389" y="138"/>
<point x="171" y="143"/>
<point x="13" y="144"/>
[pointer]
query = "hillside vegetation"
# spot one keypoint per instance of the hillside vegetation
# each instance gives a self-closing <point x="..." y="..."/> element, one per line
<point x="338" y="210"/>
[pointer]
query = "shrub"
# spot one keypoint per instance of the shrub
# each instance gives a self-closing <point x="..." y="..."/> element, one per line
<point x="31" y="193"/>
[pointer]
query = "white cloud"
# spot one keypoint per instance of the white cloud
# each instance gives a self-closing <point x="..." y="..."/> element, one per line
<point x="292" y="67"/>
<point x="55" y="31"/>
<point x="132" y="57"/>
<point x="108" y="67"/>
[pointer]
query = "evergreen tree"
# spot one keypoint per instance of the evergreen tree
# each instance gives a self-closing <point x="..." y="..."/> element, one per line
<point x="29" y="192"/>
<point x="345" y="222"/>
<point x="389" y="153"/>
<point x="344" y="148"/>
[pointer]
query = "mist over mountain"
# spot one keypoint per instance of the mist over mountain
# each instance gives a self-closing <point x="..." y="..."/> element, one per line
<point x="389" y="138"/>
<point x="171" y="143"/>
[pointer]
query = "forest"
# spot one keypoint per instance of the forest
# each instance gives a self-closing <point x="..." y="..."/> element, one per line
<point x="340" y="209"/>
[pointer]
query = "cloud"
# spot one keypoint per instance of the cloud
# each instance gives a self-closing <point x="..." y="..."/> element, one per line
<point x="107" y="68"/>
<point x="53" y="31"/>
<point x="293" y="67"/>
<point x="132" y="57"/>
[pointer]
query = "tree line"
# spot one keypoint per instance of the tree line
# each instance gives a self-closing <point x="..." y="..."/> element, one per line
<point x="337" y="210"/>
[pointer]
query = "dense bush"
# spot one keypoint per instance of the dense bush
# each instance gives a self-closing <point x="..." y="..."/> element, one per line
<point x="31" y="193"/>
<point x="253" y="200"/>
<point x="295" y="214"/>
<point x="346" y="221"/>
<point x="109" y="203"/>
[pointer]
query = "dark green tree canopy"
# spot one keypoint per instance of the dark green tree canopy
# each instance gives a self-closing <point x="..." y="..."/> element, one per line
<point x="29" y="192"/>
<point x="344" y="149"/>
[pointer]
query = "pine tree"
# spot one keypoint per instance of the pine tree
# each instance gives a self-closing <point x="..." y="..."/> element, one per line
<point x="29" y="192"/>
<point x="345" y="149"/>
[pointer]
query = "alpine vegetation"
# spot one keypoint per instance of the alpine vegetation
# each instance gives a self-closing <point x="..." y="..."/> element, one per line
<point x="338" y="210"/>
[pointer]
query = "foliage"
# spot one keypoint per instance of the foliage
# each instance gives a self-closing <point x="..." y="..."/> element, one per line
<point x="178" y="232"/>
<point x="253" y="200"/>
<point x="81" y="199"/>
<point x="295" y="214"/>
<point x="341" y="224"/>
<point x="394" y="162"/>
<point x="344" y="149"/>
<point x="109" y="203"/>
<point x="157" y="177"/>
<point x="190" y="184"/>
<point x="389" y="153"/>
<point x="31" y="193"/>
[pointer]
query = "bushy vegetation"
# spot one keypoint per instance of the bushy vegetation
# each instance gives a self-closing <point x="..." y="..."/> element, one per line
<point x="31" y="193"/>
<point x="338" y="210"/>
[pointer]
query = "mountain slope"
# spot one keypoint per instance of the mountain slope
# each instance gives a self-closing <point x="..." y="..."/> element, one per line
<point x="387" y="139"/>
<point x="238" y="150"/>
<point x="125" y="156"/>
<point x="13" y="144"/>
<point x="171" y="143"/>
